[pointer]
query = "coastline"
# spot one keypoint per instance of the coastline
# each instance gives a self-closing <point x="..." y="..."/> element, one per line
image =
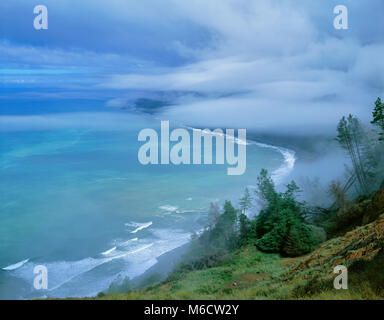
<point x="306" y="148"/>
<point x="164" y="266"/>
<point x="168" y="261"/>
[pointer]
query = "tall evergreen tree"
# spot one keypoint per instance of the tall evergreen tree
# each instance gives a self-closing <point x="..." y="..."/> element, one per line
<point x="378" y="117"/>
<point x="244" y="228"/>
<point x="350" y="137"/>
<point x="213" y="215"/>
<point x="224" y="232"/>
<point x="275" y="222"/>
<point x="265" y="188"/>
<point x="267" y="196"/>
<point x="246" y="201"/>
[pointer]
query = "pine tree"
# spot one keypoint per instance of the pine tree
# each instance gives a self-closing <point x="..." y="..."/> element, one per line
<point x="213" y="215"/>
<point x="265" y="188"/>
<point x="378" y="117"/>
<point x="244" y="226"/>
<point x="350" y="137"/>
<point x="245" y="202"/>
<point x="273" y="224"/>
<point x="227" y="225"/>
<point x="299" y="241"/>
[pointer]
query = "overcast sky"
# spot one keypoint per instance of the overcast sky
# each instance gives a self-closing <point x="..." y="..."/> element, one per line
<point x="264" y="64"/>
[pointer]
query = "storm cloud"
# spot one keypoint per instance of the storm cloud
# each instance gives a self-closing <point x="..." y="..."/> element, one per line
<point x="264" y="65"/>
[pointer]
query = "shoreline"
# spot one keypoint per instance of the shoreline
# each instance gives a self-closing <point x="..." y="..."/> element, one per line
<point x="168" y="261"/>
<point x="306" y="148"/>
<point x="163" y="267"/>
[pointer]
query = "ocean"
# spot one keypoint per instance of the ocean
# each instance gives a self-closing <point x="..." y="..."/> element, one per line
<point x="75" y="199"/>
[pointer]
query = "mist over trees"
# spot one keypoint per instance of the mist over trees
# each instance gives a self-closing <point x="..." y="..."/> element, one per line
<point x="280" y="227"/>
<point x="246" y="201"/>
<point x="365" y="149"/>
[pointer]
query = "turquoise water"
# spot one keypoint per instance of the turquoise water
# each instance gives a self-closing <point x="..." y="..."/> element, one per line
<point x="78" y="201"/>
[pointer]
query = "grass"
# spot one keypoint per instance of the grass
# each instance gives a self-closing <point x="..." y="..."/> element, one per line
<point x="256" y="275"/>
<point x="252" y="274"/>
<point x="236" y="279"/>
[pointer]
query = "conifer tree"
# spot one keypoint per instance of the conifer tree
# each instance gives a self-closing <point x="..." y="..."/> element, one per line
<point x="244" y="228"/>
<point x="213" y="215"/>
<point x="350" y="137"/>
<point x="246" y="201"/>
<point x="281" y="226"/>
<point x="378" y="117"/>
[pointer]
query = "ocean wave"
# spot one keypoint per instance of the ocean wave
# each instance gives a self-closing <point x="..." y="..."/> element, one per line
<point x="286" y="168"/>
<point x="16" y="265"/>
<point x="126" y="243"/>
<point x="187" y="211"/>
<point x="169" y="208"/>
<point x="72" y="270"/>
<point x="75" y="269"/>
<point x="71" y="278"/>
<point x="60" y="272"/>
<point x="220" y="134"/>
<point x="63" y="272"/>
<point x="289" y="161"/>
<point x="105" y="253"/>
<point x="140" y="249"/>
<point x="138" y="226"/>
<point x="174" y="209"/>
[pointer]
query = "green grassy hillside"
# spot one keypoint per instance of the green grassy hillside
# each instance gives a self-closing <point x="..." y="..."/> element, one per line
<point x="251" y="274"/>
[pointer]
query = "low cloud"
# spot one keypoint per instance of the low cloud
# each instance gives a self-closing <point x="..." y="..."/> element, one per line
<point x="281" y="66"/>
<point x="266" y="65"/>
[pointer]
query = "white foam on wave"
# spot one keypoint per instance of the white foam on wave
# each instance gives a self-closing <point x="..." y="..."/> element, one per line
<point x="169" y="239"/>
<point x="173" y="209"/>
<point x="286" y="168"/>
<point x="141" y="248"/>
<point x="78" y="268"/>
<point x="71" y="278"/>
<point x="164" y="240"/>
<point x="220" y="134"/>
<point x="61" y="272"/>
<point x="281" y="172"/>
<point x="105" y="253"/>
<point x="138" y="226"/>
<point x="187" y="211"/>
<point x="168" y="208"/>
<point x="16" y="265"/>
<point x="289" y="161"/>
<point x="289" y="156"/>
<point x="128" y="242"/>
<point x="65" y="272"/>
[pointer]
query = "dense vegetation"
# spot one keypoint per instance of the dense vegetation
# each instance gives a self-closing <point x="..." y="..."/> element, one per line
<point x="280" y="227"/>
